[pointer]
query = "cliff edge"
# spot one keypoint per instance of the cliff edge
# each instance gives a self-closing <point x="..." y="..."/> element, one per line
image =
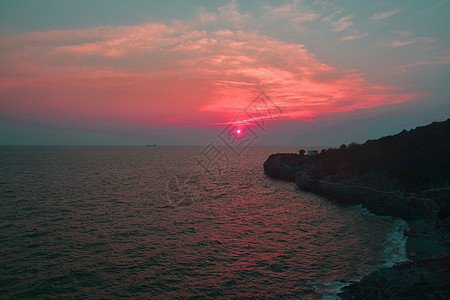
<point x="406" y="175"/>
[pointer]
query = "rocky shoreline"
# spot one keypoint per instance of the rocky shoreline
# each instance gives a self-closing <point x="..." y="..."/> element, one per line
<point x="424" y="279"/>
<point x="426" y="276"/>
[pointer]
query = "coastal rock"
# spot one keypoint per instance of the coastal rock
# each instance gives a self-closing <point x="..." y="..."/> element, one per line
<point x="405" y="176"/>
<point x="283" y="166"/>
<point x="378" y="202"/>
<point x="425" y="279"/>
<point x="297" y="168"/>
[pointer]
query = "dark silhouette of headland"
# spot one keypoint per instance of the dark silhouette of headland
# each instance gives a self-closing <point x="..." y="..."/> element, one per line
<point x="406" y="175"/>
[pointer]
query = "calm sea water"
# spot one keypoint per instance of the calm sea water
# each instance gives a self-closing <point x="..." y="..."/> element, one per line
<point x="143" y="222"/>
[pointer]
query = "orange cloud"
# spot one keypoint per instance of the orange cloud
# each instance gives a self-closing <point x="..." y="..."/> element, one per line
<point x="160" y="74"/>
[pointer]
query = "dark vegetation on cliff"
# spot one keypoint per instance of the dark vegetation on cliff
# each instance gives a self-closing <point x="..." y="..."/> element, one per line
<point x="406" y="175"/>
<point x="411" y="161"/>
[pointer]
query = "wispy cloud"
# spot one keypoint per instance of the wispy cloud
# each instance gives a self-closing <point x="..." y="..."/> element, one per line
<point x="232" y="13"/>
<point x="297" y="12"/>
<point x="303" y="17"/>
<point x="331" y="16"/>
<point x="282" y="10"/>
<point x="180" y="73"/>
<point x="353" y="37"/>
<point x="402" y="43"/>
<point x="343" y="23"/>
<point x="443" y="60"/>
<point x="420" y="40"/>
<point x="386" y="14"/>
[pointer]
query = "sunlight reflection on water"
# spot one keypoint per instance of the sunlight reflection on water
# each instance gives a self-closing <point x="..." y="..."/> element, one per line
<point x="96" y="222"/>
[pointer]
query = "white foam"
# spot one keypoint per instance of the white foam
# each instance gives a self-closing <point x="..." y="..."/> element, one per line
<point x="366" y="212"/>
<point x="332" y="289"/>
<point x="395" y="250"/>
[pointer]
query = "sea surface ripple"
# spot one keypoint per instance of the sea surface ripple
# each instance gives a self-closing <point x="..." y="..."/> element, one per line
<point x="93" y="222"/>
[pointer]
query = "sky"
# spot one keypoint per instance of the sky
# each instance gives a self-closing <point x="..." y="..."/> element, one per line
<point x="294" y="73"/>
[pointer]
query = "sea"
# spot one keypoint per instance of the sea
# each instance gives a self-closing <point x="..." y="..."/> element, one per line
<point x="104" y="222"/>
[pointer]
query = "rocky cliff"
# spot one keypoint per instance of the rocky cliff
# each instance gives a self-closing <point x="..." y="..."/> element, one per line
<point x="406" y="176"/>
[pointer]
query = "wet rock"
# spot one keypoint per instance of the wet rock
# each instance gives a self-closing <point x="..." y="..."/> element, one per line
<point x="426" y="279"/>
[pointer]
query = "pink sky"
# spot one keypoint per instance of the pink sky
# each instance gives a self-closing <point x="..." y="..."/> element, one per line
<point x="155" y="74"/>
<point x="193" y="72"/>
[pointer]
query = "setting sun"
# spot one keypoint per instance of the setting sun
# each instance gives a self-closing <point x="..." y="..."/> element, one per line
<point x="184" y="149"/>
